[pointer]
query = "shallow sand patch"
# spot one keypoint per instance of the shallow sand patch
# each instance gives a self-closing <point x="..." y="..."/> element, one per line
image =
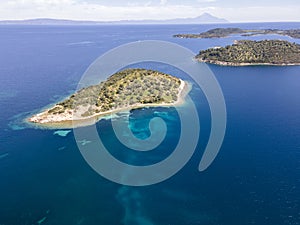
<point x="62" y="133"/>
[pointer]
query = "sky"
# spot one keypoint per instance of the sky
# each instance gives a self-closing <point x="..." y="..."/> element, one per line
<point x="112" y="10"/>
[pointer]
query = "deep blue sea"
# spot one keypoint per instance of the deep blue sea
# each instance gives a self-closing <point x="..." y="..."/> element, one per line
<point x="44" y="179"/>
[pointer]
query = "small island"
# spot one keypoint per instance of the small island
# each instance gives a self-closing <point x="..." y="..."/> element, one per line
<point x="246" y="52"/>
<point x="226" y="32"/>
<point x="125" y="90"/>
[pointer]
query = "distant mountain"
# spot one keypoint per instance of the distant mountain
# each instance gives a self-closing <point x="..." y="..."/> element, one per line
<point x="46" y="21"/>
<point x="204" y="18"/>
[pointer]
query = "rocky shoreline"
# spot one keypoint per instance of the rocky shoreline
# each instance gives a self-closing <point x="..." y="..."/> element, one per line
<point x="223" y="63"/>
<point x="71" y="120"/>
<point x="253" y="53"/>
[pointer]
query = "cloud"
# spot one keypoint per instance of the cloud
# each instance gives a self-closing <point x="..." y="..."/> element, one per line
<point x="40" y="2"/>
<point x="69" y="9"/>
<point x="206" y="1"/>
<point x="259" y="14"/>
<point x="84" y="10"/>
<point x="163" y="2"/>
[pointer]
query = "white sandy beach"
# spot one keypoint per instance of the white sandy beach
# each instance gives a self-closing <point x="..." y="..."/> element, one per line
<point x="69" y="119"/>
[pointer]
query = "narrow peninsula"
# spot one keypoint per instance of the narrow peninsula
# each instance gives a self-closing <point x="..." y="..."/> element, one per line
<point x="246" y="52"/>
<point x="125" y="90"/>
<point x="226" y="32"/>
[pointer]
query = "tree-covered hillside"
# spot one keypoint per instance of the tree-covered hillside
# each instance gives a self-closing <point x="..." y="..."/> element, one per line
<point x="276" y="52"/>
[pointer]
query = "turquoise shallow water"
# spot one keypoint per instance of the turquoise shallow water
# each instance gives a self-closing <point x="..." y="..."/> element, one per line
<point x="44" y="179"/>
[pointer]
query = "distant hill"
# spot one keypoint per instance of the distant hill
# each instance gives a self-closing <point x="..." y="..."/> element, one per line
<point x="46" y="21"/>
<point x="226" y="32"/>
<point x="203" y="19"/>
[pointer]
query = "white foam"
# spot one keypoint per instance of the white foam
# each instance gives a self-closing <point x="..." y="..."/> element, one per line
<point x="81" y="43"/>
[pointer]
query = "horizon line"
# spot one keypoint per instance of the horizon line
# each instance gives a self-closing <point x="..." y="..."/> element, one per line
<point x="141" y="20"/>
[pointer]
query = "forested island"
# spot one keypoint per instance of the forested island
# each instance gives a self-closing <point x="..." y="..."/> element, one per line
<point x="225" y="32"/>
<point x="246" y="52"/>
<point x="125" y="90"/>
